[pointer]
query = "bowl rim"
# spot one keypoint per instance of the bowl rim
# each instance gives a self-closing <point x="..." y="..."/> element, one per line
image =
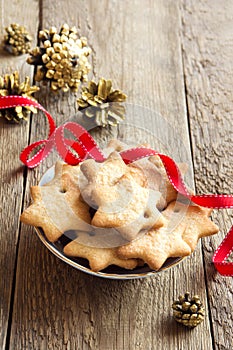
<point x="48" y="176"/>
<point x="82" y="268"/>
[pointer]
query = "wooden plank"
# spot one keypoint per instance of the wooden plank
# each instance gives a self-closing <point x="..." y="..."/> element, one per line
<point x="137" y="45"/>
<point x="207" y="51"/>
<point x="12" y="139"/>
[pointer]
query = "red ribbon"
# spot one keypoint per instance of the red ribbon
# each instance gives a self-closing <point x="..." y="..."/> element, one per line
<point x="85" y="146"/>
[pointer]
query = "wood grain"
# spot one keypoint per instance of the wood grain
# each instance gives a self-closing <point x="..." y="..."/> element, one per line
<point x="208" y="51"/>
<point x="136" y="44"/>
<point x="12" y="139"/>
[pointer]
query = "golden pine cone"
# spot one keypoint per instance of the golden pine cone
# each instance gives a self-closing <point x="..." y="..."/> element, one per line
<point x="10" y="85"/>
<point x="62" y="58"/>
<point x="102" y="103"/>
<point x="189" y="312"/>
<point x="17" y="41"/>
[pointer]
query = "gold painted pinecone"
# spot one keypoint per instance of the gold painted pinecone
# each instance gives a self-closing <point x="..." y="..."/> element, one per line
<point x="17" y="41"/>
<point x="10" y="85"/>
<point x="62" y="57"/>
<point x="189" y="312"/>
<point x="102" y="103"/>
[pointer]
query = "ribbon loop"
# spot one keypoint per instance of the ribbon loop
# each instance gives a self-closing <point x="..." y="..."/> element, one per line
<point x="46" y="148"/>
<point x="46" y="145"/>
<point x="84" y="146"/>
<point x="224" y="250"/>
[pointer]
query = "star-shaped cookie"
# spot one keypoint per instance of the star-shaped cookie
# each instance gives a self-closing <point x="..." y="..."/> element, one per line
<point x="121" y="201"/>
<point x="198" y="223"/>
<point x="169" y="193"/>
<point x="99" y="258"/>
<point x="150" y="172"/>
<point x="178" y="238"/>
<point x="57" y="206"/>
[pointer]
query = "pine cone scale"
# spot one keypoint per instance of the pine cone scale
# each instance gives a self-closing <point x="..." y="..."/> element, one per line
<point x="10" y="85"/>
<point x="189" y="312"/>
<point x="61" y="51"/>
<point x="104" y="103"/>
<point x="17" y="41"/>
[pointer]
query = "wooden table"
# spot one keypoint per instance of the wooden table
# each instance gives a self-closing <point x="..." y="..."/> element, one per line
<point x="174" y="57"/>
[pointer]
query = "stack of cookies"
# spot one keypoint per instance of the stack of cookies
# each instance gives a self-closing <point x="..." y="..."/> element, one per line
<point x="123" y="215"/>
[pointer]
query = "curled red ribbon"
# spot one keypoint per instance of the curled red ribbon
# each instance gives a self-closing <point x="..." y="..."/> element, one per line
<point x="85" y="146"/>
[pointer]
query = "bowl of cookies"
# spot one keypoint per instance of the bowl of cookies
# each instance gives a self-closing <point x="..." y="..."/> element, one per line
<point x="114" y="220"/>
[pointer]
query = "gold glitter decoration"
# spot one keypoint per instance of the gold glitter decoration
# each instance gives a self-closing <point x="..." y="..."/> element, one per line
<point x="17" y="41"/>
<point x="62" y="58"/>
<point x="101" y="103"/>
<point x="189" y="312"/>
<point x="10" y="85"/>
